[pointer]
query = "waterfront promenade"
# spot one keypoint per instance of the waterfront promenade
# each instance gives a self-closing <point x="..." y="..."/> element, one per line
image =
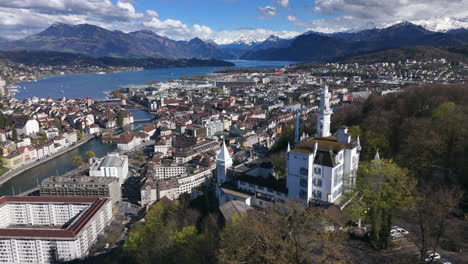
<point x="12" y="173"/>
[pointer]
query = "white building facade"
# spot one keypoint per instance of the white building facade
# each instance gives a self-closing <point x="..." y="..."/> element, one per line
<point x="113" y="165"/>
<point x="48" y="229"/>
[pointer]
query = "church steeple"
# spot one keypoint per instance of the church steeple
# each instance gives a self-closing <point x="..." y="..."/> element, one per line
<point x="223" y="162"/>
<point x="324" y="114"/>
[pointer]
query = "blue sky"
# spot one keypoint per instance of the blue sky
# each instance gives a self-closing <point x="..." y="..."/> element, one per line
<point x="226" y="21"/>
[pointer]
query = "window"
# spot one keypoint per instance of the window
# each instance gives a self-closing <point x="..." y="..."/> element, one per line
<point x="303" y="194"/>
<point x="304" y="171"/>
<point x="318" y="170"/>
<point x="317" y="194"/>
<point x="303" y="182"/>
<point x="318" y="182"/>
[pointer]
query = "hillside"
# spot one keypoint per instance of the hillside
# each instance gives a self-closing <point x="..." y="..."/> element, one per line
<point x="49" y="58"/>
<point x="95" y="41"/>
<point x="418" y="53"/>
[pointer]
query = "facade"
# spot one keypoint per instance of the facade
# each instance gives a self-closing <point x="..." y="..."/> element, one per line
<point x="26" y="125"/>
<point x="154" y="189"/>
<point x="13" y="161"/>
<point x="165" y="170"/>
<point x="82" y="186"/>
<point x="112" y="165"/>
<point x="48" y="229"/>
<point x="319" y="169"/>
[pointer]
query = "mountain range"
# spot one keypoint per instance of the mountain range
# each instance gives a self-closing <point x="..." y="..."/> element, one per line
<point x="95" y="41"/>
<point x="313" y="46"/>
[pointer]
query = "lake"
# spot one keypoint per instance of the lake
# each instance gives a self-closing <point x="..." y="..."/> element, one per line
<point x="97" y="85"/>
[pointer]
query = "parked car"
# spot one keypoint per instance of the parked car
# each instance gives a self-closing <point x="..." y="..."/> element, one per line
<point x="402" y="231"/>
<point x="432" y="256"/>
<point x="394" y="234"/>
<point x="397" y="231"/>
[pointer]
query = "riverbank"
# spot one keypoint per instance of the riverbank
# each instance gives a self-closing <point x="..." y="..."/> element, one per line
<point x="12" y="173"/>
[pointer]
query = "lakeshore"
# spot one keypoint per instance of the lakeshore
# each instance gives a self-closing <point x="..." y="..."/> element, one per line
<point x="12" y="173"/>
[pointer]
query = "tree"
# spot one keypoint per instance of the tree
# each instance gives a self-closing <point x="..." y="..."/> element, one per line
<point x="116" y="94"/>
<point x="79" y="134"/>
<point x="382" y="187"/>
<point x="120" y="119"/>
<point x="171" y="234"/>
<point x="90" y="155"/>
<point x="431" y="213"/>
<point x="77" y="161"/>
<point x="287" y="233"/>
<point x="14" y="134"/>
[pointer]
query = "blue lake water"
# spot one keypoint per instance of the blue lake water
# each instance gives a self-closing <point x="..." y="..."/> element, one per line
<point x="96" y="85"/>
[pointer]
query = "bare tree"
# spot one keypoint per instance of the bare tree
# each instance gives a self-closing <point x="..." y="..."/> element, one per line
<point x="430" y="215"/>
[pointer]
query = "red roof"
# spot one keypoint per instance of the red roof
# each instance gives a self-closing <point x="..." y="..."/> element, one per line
<point x="148" y="128"/>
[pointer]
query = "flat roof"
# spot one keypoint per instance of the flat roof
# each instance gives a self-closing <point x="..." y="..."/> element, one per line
<point x="69" y="233"/>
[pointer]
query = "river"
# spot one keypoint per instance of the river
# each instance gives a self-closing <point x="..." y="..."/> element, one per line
<point x="95" y="85"/>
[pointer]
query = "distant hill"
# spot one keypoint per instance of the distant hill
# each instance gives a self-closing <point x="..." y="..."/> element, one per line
<point x="313" y="46"/>
<point x="98" y="42"/>
<point x="50" y="58"/>
<point x="419" y="53"/>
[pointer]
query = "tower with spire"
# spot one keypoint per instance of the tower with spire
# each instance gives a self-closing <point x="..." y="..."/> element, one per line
<point x="223" y="162"/>
<point x="324" y="114"/>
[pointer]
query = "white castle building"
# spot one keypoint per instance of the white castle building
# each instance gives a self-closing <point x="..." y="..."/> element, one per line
<point x="318" y="169"/>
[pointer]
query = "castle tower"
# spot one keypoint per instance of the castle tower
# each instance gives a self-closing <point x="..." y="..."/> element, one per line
<point x="324" y="114"/>
<point x="223" y="162"/>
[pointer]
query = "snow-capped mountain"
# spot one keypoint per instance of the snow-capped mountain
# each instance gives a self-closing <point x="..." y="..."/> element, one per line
<point x="245" y="41"/>
<point x="443" y="24"/>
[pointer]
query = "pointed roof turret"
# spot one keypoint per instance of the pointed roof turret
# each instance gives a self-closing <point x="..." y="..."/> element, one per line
<point x="377" y="156"/>
<point x="223" y="153"/>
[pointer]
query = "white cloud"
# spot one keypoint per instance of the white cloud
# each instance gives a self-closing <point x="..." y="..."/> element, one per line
<point x="152" y="13"/>
<point x="283" y="3"/>
<point x="267" y="10"/>
<point x="176" y="29"/>
<point x="327" y="29"/>
<point x="360" y="13"/>
<point x="292" y="18"/>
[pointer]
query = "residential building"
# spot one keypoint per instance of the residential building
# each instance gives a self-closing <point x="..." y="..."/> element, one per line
<point x="82" y="186"/>
<point x="25" y="125"/>
<point x="36" y="229"/>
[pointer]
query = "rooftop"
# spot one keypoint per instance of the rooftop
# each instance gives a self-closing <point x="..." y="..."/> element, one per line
<point x="67" y="232"/>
